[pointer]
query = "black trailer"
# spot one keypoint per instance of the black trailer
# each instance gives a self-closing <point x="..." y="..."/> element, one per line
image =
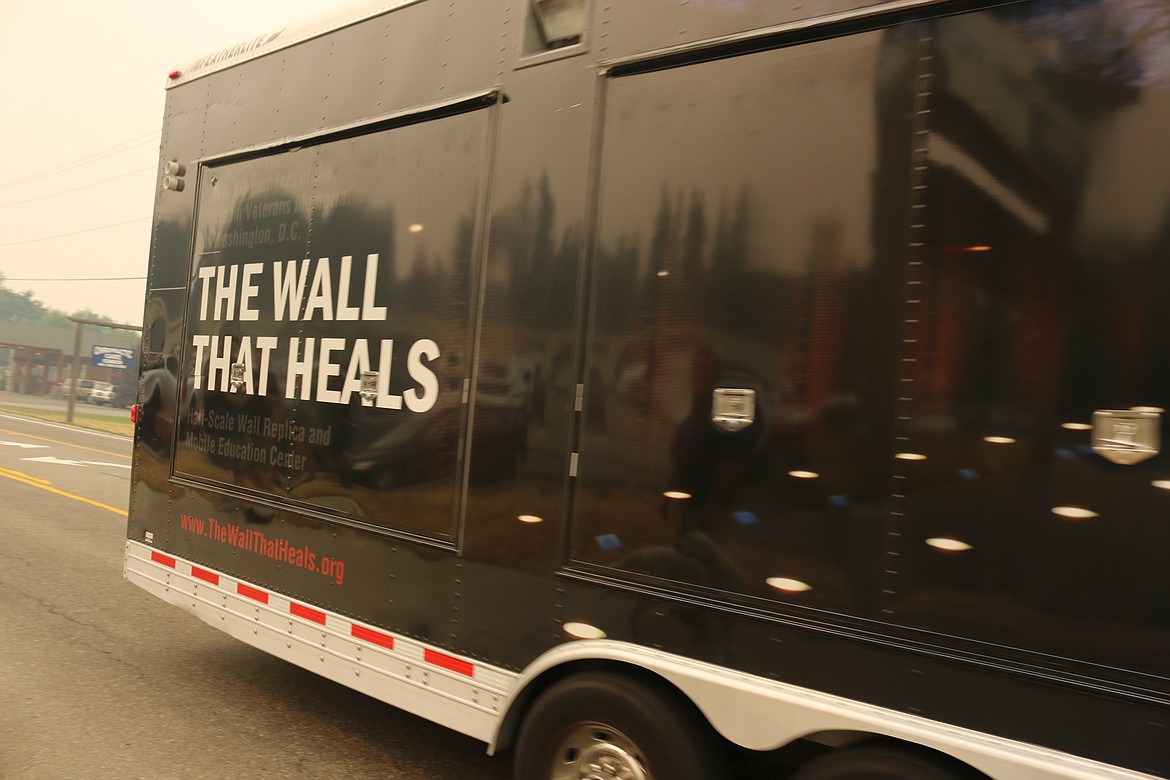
<point x="651" y="387"/>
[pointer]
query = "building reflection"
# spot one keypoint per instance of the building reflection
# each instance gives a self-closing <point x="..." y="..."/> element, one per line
<point x="920" y="281"/>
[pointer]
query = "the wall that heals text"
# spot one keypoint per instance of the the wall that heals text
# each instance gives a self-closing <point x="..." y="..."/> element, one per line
<point x="230" y="293"/>
<point x="310" y="381"/>
<point x="328" y="325"/>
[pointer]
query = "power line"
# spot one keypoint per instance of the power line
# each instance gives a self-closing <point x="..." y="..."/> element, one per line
<point x="101" y="154"/>
<point x="75" y="189"/>
<point x="74" y="233"/>
<point x="80" y="279"/>
<point x="117" y="148"/>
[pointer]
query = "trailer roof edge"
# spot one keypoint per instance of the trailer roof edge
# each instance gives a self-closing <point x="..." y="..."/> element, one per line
<point x="269" y="42"/>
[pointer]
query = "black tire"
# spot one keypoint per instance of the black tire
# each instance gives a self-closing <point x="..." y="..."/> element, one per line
<point x="627" y="726"/>
<point x="883" y="762"/>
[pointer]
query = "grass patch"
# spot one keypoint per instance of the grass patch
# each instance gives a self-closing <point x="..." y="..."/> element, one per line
<point x="94" y="422"/>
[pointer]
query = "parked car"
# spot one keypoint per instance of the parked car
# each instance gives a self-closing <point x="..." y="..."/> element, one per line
<point x="105" y="393"/>
<point x="84" y="388"/>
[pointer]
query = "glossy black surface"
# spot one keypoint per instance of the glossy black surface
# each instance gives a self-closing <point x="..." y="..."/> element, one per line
<point x="932" y="248"/>
<point x="317" y="265"/>
<point x="903" y="241"/>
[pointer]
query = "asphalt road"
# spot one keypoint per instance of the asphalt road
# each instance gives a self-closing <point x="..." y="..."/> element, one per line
<point x="100" y="680"/>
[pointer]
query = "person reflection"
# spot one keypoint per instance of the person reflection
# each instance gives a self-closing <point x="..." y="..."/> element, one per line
<point x="707" y="465"/>
<point x="707" y="462"/>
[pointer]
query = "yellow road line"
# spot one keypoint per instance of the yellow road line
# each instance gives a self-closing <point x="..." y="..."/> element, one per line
<point x="43" y="484"/>
<point x="22" y="476"/>
<point x="65" y="444"/>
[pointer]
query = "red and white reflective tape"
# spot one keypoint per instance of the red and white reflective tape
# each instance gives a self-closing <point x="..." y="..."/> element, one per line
<point x="338" y="641"/>
<point x="312" y="614"/>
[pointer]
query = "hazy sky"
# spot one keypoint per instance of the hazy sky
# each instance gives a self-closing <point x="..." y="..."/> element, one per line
<point x="81" y="103"/>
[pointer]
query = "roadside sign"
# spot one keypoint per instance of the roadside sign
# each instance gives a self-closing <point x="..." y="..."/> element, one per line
<point x="112" y="357"/>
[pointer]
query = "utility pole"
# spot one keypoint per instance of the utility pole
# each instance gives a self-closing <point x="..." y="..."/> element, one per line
<point x="81" y="323"/>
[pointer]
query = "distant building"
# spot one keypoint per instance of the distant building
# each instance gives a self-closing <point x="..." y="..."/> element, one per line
<point x="35" y="359"/>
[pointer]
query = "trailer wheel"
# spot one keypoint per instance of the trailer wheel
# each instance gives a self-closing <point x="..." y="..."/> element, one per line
<point x="605" y="725"/>
<point x="883" y="762"/>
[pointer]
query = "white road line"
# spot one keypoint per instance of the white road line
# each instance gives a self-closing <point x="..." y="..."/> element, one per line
<point x="66" y="427"/>
<point x="63" y="462"/>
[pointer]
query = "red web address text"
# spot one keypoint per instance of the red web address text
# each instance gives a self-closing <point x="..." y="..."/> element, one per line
<point x="254" y="541"/>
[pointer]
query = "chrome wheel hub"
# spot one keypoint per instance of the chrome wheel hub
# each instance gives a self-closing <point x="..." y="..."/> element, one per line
<point x="596" y="752"/>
